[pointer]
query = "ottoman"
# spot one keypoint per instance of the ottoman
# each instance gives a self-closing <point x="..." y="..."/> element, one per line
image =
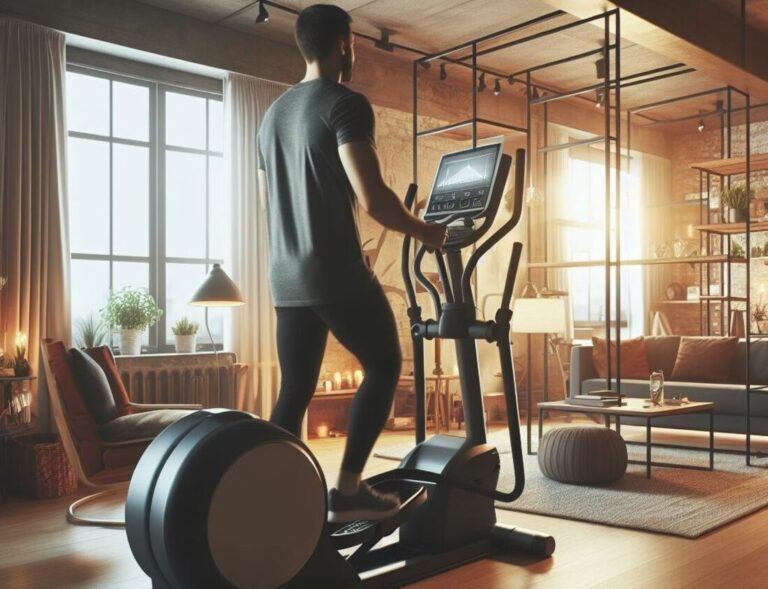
<point x="583" y="455"/>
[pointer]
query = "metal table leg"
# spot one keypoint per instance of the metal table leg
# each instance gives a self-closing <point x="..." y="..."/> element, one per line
<point x="618" y="424"/>
<point x="711" y="439"/>
<point x="541" y="426"/>
<point x="647" y="447"/>
<point x="608" y="421"/>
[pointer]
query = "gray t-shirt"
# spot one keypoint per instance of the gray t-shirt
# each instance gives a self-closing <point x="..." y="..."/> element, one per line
<point x="314" y="244"/>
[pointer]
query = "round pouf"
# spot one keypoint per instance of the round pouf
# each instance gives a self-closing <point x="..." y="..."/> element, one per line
<point x="583" y="455"/>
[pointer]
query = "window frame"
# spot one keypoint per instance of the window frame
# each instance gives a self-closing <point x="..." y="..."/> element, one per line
<point x="158" y="86"/>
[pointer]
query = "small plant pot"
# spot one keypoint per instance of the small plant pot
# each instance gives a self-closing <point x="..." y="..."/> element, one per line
<point x="186" y="344"/>
<point x="737" y="215"/>
<point x="130" y="342"/>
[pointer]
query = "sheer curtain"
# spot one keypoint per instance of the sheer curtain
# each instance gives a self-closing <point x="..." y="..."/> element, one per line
<point x="654" y="185"/>
<point x="246" y="99"/>
<point x="34" y="251"/>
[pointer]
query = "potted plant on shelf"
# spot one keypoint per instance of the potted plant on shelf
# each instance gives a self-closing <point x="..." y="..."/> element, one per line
<point x="185" y="334"/>
<point x="91" y="332"/>
<point x="760" y="317"/>
<point x="131" y="310"/>
<point x="737" y="201"/>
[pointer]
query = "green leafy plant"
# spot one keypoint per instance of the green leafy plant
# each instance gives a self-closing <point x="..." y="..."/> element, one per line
<point x="91" y="332"/>
<point x="184" y="327"/>
<point x="131" y="308"/>
<point x="737" y="250"/>
<point x="736" y="197"/>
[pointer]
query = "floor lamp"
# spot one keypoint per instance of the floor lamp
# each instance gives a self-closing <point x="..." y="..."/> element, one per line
<point x="217" y="290"/>
<point x="548" y="317"/>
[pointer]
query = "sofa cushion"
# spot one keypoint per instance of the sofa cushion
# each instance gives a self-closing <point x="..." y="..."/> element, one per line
<point x="94" y="386"/>
<point x="661" y="352"/>
<point x="634" y="362"/>
<point x="140" y="426"/>
<point x="705" y="359"/>
<point x="758" y="362"/>
<point x="104" y="358"/>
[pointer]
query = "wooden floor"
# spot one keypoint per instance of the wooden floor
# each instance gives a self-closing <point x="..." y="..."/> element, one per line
<point x="38" y="549"/>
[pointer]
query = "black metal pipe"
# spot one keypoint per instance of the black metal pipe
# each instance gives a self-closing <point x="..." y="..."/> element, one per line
<point x="659" y="103"/>
<point x="607" y="102"/>
<point x="509" y="283"/>
<point x="546" y="33"/>
<point x="495" y="35"/>
<point x="562" y="60"/>
<point x="617" y="183"/>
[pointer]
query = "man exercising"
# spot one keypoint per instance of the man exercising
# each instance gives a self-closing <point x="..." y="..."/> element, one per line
<point x="317" y="161"/>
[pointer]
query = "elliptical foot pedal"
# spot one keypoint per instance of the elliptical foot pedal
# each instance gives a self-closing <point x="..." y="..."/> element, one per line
<point x="412" y="495"/>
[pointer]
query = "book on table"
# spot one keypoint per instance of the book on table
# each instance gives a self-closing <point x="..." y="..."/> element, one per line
<point x="593" y="400"/>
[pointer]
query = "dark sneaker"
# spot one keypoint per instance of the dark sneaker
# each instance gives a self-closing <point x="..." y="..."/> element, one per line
<point x="366" y="504"/>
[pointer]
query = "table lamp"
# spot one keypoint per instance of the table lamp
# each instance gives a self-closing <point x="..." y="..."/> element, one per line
<point x="217" y="290"/>
<point x="547" y="316"/>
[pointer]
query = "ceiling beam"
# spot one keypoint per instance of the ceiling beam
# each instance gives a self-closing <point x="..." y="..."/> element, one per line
<point x="698" y="32"/>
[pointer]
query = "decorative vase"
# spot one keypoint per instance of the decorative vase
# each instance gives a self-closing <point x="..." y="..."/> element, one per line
<point x="22" y="368"/>
<point x="130" y="342"/>
<point x="737" y="215"/>
<point x="186" y="344"/>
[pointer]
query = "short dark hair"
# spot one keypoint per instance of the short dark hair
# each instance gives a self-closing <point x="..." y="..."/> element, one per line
<point x="319" y="27"/>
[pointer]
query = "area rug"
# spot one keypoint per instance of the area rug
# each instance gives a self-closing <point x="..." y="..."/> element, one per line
<point x="680" y="502"/>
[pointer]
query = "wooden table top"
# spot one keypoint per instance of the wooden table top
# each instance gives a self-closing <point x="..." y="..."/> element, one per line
<point x="631" y="407"/>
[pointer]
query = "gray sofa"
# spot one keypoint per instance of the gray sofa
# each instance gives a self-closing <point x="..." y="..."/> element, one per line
<point x="729" y="398"/>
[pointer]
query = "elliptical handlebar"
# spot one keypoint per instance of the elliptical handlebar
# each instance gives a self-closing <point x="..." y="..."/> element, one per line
<point x="405" y="258"/>
<point x="514" y="219"/>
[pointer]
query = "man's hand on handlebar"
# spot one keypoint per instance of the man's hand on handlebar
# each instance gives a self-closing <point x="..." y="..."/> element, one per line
<point x="433" y="236"/>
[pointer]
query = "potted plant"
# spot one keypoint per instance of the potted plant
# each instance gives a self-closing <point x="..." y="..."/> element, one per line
<point x="131" y="310"/>
<point x="736" y="199"/>
<point x="91" y="332"/>
<point x="760" y="317"/>
<point x="185" y="333"/>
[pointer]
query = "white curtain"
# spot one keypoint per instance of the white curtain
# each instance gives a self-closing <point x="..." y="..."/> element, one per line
<point x="654" y="186"/>
<point x="246" y="99"/>
<point x="34" y="251"/>
<point x="558" y="167"/>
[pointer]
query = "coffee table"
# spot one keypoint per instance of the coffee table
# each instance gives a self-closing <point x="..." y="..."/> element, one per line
<point x="640" y="408"/>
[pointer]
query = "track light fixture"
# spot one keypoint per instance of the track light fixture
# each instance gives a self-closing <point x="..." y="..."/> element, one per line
<point x="481" y="86"/>
<point x="443" y="72"/>
<point x="599" y="98"/>
<point x="535" y="93"/>
<point x="425" y="64"/>
<point x="600" y="68"/>
<point x="700" y="127"/>
<point x="383" y="43"/>
<point x="263" y="15"/>
<point x="497" y="87"/>
<point x="511" y="80"/>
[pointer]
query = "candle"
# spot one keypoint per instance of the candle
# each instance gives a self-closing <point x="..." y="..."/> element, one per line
<point x="322" y="431"/>
<point x="358" y="377"/>
<point x="337" y="380"/>
<point x="328" y="386"/>
<point x="690" y="230"/>
<point x="348" y="380"/>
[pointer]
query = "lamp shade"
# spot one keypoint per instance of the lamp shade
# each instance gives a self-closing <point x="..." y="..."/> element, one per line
<point x="217" y="290"/>
<point x="540" y="315"/>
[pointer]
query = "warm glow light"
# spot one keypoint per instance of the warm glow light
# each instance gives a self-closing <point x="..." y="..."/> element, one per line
<point x="21" y="340"/>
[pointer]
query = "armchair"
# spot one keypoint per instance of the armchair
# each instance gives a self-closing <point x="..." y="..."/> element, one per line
<point x="103" y="451"/>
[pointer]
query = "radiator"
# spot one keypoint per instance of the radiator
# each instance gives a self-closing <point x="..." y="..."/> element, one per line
<point x="204" y="378"/>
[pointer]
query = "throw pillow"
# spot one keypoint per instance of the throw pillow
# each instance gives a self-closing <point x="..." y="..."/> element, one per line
<point x="94" y="387"/>
<point x="705" y="359"/>
<point x="634" y="361"/>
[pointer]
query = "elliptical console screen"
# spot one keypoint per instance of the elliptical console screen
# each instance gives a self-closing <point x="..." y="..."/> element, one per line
<point x="463" y="182"/>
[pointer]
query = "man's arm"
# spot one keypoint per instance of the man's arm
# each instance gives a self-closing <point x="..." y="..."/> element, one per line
<point x="361" y="164"/>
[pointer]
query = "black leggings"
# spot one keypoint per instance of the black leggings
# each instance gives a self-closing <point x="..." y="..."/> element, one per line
<point x="366" y="327"/>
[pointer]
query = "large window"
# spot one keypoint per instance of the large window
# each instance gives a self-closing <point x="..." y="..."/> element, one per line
<point x="581" y="226"/>
<point x="147" y="194"/>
